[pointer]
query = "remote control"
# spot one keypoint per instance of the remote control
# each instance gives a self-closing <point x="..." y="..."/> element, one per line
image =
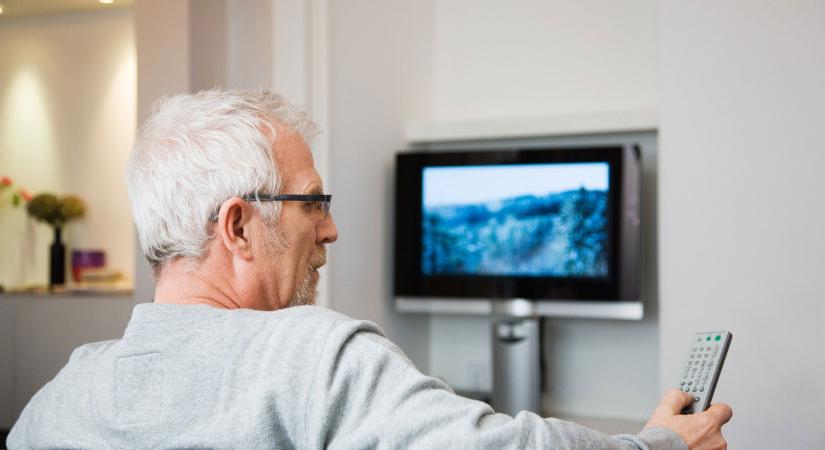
<point x="704" y="364"/>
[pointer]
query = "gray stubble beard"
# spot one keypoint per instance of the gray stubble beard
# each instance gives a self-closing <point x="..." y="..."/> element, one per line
<point x="307" y="291"/>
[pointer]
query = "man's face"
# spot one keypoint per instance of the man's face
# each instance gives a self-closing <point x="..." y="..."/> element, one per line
<point x="303" y="230"/>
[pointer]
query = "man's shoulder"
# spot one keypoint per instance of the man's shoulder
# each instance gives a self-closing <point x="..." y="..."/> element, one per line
<point x="309" y="311"/>
<point x="177" y="318"/>
<point x="319" y="321"/>
<point x="91" y="350"/>
<point x="307" y="315"/>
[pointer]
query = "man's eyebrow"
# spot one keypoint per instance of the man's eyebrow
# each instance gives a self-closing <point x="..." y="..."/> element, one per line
<point x="315" y="191"/>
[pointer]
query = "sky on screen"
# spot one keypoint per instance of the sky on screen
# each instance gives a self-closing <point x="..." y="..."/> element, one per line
<point x="459" y="185"/>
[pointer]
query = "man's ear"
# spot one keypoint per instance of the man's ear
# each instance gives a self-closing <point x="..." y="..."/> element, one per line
<point x="233" y="228"/>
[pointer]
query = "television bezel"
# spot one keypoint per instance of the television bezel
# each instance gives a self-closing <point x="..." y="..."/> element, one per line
<point x="619" y="292"/>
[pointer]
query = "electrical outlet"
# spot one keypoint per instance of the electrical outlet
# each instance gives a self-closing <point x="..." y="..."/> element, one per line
<point x="478" y="376"/>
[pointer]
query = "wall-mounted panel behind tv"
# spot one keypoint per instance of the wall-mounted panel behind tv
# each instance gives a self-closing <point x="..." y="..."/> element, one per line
<point x="548" y="229"/>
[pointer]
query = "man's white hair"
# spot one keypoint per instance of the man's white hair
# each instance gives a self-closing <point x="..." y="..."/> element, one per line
<point x="196" y="151"/>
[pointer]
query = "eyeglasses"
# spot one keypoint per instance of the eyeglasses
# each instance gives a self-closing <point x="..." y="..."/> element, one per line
<point x="320" y="203"/>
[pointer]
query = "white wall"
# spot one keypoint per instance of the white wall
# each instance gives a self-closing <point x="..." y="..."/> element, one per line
<point x="742" y="188"/>
<point x="381" y="75"/>
<point x="208" y="44"/>
<point x="67" y="120"/>
<point x="497" y="59"/>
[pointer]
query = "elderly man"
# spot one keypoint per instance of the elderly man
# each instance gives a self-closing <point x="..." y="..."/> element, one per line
<point x="233" y="219"/>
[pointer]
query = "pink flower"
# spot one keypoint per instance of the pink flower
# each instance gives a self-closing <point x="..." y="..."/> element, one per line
<point x="6" y="181"/>
<point x="25" y="195"/>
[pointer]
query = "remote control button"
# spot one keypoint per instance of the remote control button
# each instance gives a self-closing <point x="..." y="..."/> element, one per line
<point x="701" y="349"/>
<point x="683" y="382"/>
<point x="702" y="389"/>
<point x="718" y="338"/>
<point x="695" y="399"/>
<point x="694" y="389"/>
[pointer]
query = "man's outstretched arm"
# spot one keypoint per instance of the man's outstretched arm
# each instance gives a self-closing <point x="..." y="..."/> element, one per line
<point x="368" y="394"/>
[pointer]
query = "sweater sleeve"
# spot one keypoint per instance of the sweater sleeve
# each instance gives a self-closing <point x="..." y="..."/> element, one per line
<point x="368" y="394"/>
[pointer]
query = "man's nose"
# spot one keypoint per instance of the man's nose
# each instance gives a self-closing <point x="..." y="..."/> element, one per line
<point x="328" y="232"/>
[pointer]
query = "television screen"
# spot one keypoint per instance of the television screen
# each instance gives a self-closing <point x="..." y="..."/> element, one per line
<point x="538" y="220"/>
<point x="529" y="224"/>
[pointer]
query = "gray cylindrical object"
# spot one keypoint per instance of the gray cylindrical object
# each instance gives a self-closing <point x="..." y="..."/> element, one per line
<point x="516" y="366"/>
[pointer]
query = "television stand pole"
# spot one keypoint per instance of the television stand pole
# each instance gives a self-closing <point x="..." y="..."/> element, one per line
<point x="516" y="364"/>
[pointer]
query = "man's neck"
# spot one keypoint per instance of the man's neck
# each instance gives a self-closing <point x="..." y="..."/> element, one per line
<point x="178" y="284"/>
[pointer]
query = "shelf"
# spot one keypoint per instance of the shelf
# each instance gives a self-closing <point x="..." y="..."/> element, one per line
<point x="556" y="125"/>
<point x="113" y="291"/>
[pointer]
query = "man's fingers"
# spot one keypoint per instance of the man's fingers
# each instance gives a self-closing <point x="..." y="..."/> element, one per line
<point x="675" y="400"/>
<point x="720" y="412"/>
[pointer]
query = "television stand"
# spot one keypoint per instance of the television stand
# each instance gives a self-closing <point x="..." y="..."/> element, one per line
<point x="517" y="368"/>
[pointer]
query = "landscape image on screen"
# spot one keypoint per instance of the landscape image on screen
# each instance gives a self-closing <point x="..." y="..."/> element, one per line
<point x="546" y="220"/>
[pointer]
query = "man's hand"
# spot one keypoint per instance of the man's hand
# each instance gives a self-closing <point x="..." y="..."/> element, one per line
<point x="701" y="431"/>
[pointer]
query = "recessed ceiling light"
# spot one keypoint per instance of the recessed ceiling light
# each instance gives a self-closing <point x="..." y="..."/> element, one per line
<point x="106" y="1"/>
<point x="1" y="9"/>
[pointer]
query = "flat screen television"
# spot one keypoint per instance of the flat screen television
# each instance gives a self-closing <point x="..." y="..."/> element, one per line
<point x="555" y="225"/>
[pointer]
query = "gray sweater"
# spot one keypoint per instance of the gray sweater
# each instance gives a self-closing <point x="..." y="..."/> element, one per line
<point x="186" y="376"/>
